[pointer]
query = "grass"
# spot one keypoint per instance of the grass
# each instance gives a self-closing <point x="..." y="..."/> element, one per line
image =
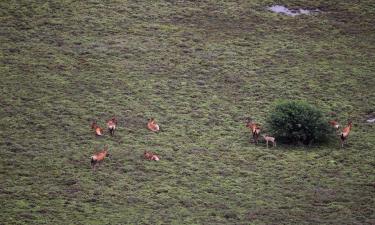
<point x="199" y="68"/>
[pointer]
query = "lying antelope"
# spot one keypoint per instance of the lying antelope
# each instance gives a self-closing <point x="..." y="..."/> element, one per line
<point x="269" y="139"/>
<point x="334" y="124"/>
<point x="152" y="125"/>
<point x="111" y="125"/>
<point x="255" y="129"/>
<point x="98" y="158"/>
<point x="345" y="133"/>
<point x="98" y="130"/>
<point x="151" y="156"/>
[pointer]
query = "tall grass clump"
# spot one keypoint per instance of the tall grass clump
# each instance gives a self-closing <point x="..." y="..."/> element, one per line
<point x="297" y="122"/>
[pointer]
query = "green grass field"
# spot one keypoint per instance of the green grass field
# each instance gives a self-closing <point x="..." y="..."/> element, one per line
<point x="199" y="68"/>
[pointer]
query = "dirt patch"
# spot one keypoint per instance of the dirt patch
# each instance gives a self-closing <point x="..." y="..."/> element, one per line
<point x="370" y="118"/>
<point x="291" y="12"/>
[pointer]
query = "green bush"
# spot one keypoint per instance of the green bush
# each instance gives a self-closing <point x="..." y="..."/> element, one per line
<point x="297" y="122"/>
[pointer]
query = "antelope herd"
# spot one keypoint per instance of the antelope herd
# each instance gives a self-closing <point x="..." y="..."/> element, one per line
<point x="255" y="129"/>
<point x="97" y="158"/>
<point x="344" y="133"/>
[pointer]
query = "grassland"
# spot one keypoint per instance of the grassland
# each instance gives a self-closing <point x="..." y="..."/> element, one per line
<point x="199" y="68"/>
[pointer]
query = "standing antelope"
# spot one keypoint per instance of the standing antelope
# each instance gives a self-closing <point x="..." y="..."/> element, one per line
<point x="111" y="125"/>
<point x="269" y="138"/>
<point x="152" y="125"/>
<point x="98" y="158"/>
<point x="98" y="130"/>
<point x="345" y="133"/>
<point x="151" y="156"/>
<point x="255" y="129"/>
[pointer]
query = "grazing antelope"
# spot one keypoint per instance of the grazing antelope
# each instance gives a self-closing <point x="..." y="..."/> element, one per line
<point x="151" y="156"/>
<point x="98" y="158"/>
<point x="269" y="138"/>
<point x="111" y="125"/>
<point x="334" y="124"/>
<point x="152" y="125"/>
<point x="255" y="129"/>
<point x="345" y="133"/>
<point x="98" y="130"/>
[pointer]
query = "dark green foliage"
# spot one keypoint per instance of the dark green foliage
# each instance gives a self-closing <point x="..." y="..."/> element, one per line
<point x="298" y="122"/>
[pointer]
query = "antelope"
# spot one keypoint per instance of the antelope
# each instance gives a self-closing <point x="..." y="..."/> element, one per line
<point x="255" y="129"/>
<point x="269" y="138"/>
<point x="111" y="125"/>
<point x="151" y="156"/>
<point x="334" y="124"/>
<point x="345" y="133"/>
<point x="99" y="157"/>
<point x="98" y="130"/>
<point x="152" y="125"/>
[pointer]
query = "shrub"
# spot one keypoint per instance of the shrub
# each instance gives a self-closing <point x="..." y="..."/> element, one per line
<point x="297" y="122"/>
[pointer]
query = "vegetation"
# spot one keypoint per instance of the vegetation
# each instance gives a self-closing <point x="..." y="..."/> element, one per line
<point x="199" y="68"/>
<point x="298" y="122"/>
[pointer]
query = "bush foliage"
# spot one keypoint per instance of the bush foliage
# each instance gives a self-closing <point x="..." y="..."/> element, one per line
<point x="297" y="122"/>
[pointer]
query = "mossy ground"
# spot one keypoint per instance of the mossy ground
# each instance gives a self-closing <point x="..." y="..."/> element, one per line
<point x="199" y="68"/>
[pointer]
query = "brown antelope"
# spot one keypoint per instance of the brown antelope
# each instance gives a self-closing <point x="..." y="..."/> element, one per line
<point x="334" y="124"/>
<point x="151" y="156"/>
<point x="255" y="129"/>
<point x="98" y="158"/>
<point x="111" y="125"/>
<point x="98" y="130"/>
<point x="269" y="139"/>
<point x="152" y="125"/>
<point x="345" y="133"/>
